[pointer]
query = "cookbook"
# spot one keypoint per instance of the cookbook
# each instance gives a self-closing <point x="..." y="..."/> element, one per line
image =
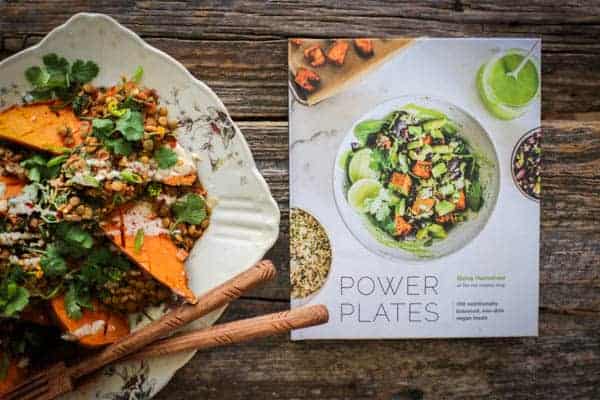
<point x="415" y="184"/>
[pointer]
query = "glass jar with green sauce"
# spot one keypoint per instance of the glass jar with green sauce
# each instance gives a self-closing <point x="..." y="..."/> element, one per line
<point x="507" y="97"/>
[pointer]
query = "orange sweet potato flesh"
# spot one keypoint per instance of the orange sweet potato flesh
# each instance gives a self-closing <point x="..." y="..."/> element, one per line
<point x="14" y="376"/>
<point x="180" y="180"/>
<point x="158" y="255"/>
<point x="116" y="326"/>
<point x="37" y="126"/>
<point x="12" y="187"/>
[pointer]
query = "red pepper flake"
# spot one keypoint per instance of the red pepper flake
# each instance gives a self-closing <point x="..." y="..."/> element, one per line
<point x="122" y="227"/>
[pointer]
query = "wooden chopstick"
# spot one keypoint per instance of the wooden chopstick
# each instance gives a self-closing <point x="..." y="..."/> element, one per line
<point x="237" y="331"/>
<point x="223" y="294"/>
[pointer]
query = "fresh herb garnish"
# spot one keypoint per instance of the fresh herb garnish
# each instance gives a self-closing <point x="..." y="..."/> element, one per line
<point x="56" y="79"/>
<point x="40" y="169"/>
<point x="13" y="298"/>
<point x="139" y="240"/>
<point x="77" y="298"/>
<point x="101" y="266"/>
<point x="52" y="262"/>
<point x="72" y="239"/>
<point x="84" y="72"/>
<point x="103" y="129"/>
<point x="131" y="125"/>
<point x="190" y="209"/>
<point x="165" y="157"/>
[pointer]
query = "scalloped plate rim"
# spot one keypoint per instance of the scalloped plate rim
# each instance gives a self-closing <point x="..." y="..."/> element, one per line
<point x="202" y="86"/>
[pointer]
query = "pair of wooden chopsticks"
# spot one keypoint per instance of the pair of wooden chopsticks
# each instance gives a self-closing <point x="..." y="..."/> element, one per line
<point x="60" y="379"/>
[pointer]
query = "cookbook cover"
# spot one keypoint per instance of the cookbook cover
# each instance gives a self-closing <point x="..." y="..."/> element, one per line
<point x="415" y="186"/>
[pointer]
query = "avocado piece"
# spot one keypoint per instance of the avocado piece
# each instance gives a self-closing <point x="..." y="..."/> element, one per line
<point x="439" y="170"/>
<point x="437" y="231"/>
<point x="434" y="124"/>
<point x="444" y="207"/>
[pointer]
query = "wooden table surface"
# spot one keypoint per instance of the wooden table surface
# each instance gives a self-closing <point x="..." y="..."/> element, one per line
<point x="239" y="49"/>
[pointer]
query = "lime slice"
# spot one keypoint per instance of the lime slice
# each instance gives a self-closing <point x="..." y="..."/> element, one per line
<point x="359" y="167"/>
<point x="362" y="190"/>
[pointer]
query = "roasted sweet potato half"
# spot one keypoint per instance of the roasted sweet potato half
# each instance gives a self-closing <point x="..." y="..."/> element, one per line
<point x="95" y="328"/>
<point x="40" y="127"/>
<point x="157" y="254"/>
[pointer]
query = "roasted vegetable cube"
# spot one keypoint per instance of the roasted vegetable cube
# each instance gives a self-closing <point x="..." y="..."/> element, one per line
<point x="337" y="52"/>
<point x="315" y="55"/>
<point x="401" y="183"/>
<point x="364" y="47"/>
<point x="307" y="79"/>
<point x="422" y="169"/>
<point x="403" y="228"/>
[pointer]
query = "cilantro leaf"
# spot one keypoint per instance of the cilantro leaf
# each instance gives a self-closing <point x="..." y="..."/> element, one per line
<point x="37" y="76"/>
<point x="52" y="263"/>
<point x="102" y="266"/>
<point x="102" y="128"/>
<point x="39" y="169"/>
<point x="131" y="125"/>
<point x="72" y="239"/>
<point x="190" y="209"/>
<point x="13" y="298"/>
<point x="76" y="298"/>
<point x="84" y="72"/>
<point x="139" y="240"/>
<point x="58" y="71"/>
<point x="56" y="79"/>
<point x="118" y="146"/>
<point x="165" y="157"/>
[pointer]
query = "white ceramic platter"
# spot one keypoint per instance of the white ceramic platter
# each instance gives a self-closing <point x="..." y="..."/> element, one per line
<point x="245" y="221"/>
<point x="479" y="140"/>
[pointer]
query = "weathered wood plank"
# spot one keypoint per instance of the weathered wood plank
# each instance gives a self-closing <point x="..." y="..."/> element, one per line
<point x="563" y="363"/>
<point x="240" y="49"/>
<point x="570" y="246"/>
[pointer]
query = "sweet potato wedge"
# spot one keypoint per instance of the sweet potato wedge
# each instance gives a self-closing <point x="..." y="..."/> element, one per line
<point x="158" y="255"/>
<point x="14" y="376"/>
<point x="37" y="126"/>
<point x="88" y="330"/>
<point x="180" y="180"/>
<point x="10" y="187"/>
